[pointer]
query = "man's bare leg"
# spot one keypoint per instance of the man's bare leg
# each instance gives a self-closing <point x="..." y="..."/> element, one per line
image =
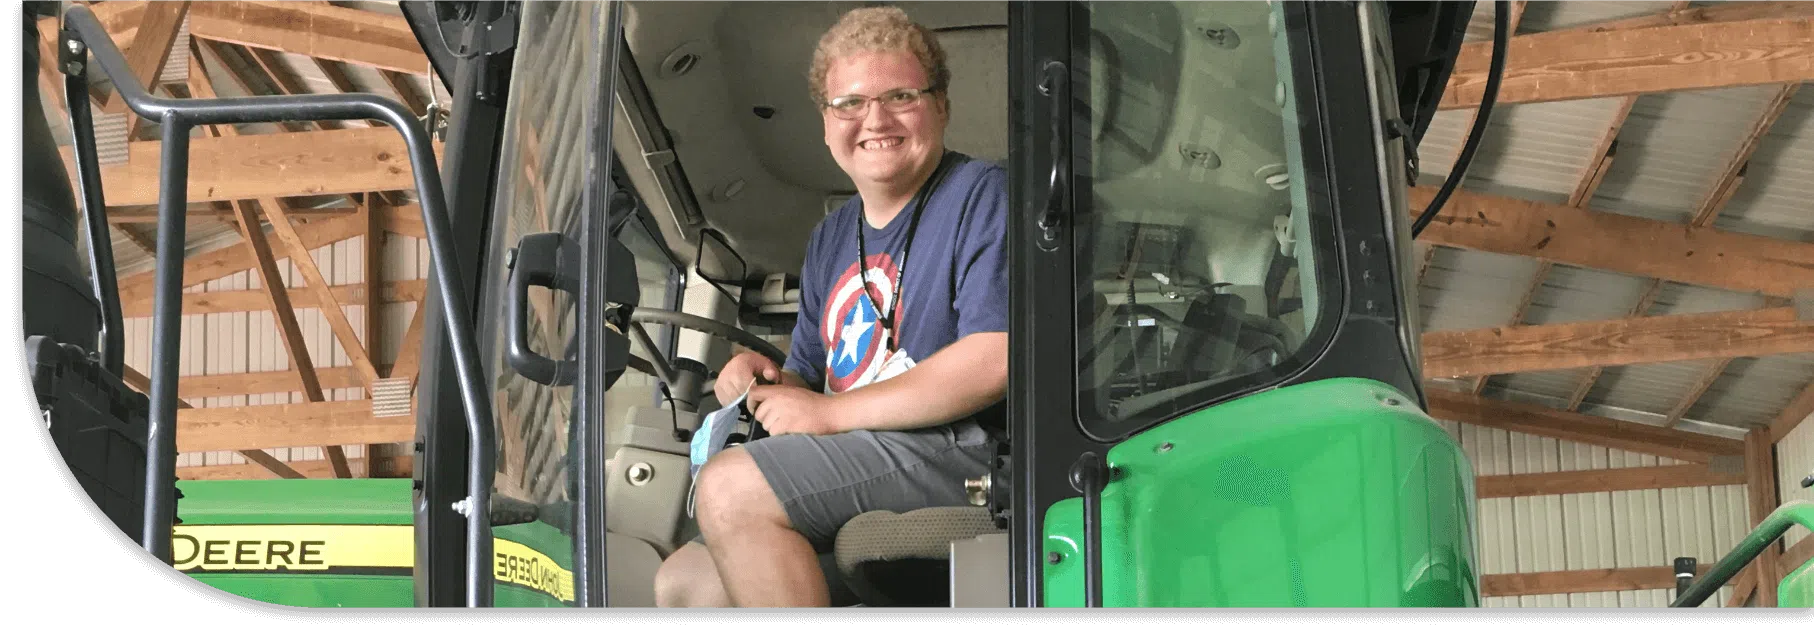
<point x="760" y="558"/>
<point x="689" y="579"/>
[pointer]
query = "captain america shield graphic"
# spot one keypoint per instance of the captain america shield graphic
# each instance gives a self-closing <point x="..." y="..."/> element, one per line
<point x="853" y="331"/>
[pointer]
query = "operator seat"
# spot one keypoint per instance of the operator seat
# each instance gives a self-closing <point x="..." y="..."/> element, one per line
<point x="890" y="559"/>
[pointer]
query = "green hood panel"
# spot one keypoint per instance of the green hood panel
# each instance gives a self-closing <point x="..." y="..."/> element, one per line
<point x="1338" y="493"/>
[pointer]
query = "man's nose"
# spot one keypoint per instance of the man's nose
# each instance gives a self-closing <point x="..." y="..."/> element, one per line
<point x="877" y="117"/>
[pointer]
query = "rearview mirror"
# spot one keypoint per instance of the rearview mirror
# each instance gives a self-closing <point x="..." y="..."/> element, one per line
<point x="716" y="261"/>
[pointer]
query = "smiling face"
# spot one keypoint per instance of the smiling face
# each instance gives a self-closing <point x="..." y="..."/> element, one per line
<point x="889" y="150"/>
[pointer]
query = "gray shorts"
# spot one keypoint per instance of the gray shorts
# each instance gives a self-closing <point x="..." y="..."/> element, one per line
<point x="824" y="481"/>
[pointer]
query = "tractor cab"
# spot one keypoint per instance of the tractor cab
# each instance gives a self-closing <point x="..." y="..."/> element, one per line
<point x="1208" y="207"/>
<point x="1213" y="395"/>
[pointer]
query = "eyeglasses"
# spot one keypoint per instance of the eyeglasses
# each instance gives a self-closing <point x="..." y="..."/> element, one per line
<point x="853" y="107"/>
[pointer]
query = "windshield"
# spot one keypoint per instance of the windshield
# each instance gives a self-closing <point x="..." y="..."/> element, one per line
<point x="1198" y="258"/>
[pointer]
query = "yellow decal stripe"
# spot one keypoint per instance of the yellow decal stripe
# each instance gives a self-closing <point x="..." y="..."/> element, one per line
<point x="329" y="548"/>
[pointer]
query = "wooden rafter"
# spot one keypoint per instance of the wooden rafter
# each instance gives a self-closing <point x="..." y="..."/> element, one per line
<point x="1681" y="14"/>
<point x="1607" y="480"/>
<point x="137" y="215"/>
<point x="269" y="165"/>
<point x="373" y="259"/>
<point x="207" y="302"/>
<point x="398" y="467"/>
<point x="310" y="29"/>
<point x="287" y="328"/>
<point x="405" y="92"/>
<point x="344" y="332"/>
<point x="138" y="381"/>
<point x="409" y="355"/>
<point x="225" y="261"/>
<point x="264" y="382"/>
<point x="288" y="426"/>
<point x="1645" y="300"/>
<point x="1573" y="426"/>
<point x="1760" y="488"/>
<point x="1580" y="65"/>
<point x="1618" y="242"/>
<point x="1799" y="409"/>
<point x="149" y="50"/>
<point x="343" y="83"/>
<point x="1645" y="340"/>
<point x="1581" y="581"/>
<point x="1600" y="162"/>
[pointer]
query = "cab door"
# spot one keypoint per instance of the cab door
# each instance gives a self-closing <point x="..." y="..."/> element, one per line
<point x="546" y="257"/>
<point x="1184" y="237"/>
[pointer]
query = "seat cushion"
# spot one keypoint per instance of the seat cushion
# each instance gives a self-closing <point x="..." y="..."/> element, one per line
<point x="891" y="559"/>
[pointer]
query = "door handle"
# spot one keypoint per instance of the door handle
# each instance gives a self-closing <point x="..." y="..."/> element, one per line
<point x="546" y="260"/>
<point x="1055" y="84"/>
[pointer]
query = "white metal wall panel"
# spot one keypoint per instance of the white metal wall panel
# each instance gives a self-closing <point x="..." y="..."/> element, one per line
<point x="1795" y="461"/>
<point x="1597" y="530"/>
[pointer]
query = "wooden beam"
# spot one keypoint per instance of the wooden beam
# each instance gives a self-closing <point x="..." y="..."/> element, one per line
<point x="288" y="426"/>
<point x="138" y="381"/>
<point x="1747" y="585"/>
<point x="1580" y="65"/>
<point x="1798" y="410"/>
<point x="278" y="292"/>
<point x="353" y="36"/>
<point x="142" y="215"/>
<point x="398" y="467"/>
<point x="1645" y="300"/>
<point x="324" y="295"/>
<point x="342" y="83"/>
<point x="409" y="355"/>
<point x="1760" y="489"/>
<point x="1682" y="14"/>
<point x="1581" y="428"/>
<point x="1796" y="556"/>
<point x="373" y="262"/>
<point x="1581" y="581"/>
<point x="264" y="382"/>
<point x="406" y="93"/>
<point x="286" y="83"/>
<point x="1645" y="340"/>
<point x="1608" y="480"/>
<point x="209" y="302"/>
<point x="272" y="165"/>
<point x="149" y="50"/>
<point x="1617" y="242"/>
<point x="234" y="258"/>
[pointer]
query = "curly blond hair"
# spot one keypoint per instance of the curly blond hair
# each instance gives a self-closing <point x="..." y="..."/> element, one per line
<point x="877" y="29"/>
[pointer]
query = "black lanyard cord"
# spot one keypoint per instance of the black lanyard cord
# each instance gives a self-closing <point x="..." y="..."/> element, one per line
<point x="900" y="277"/>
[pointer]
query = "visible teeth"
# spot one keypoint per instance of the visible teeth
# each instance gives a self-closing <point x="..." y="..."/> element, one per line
<point x="881" y="144"/>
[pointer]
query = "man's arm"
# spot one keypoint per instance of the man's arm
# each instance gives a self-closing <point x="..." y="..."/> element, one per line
<point x="956" y="382"/>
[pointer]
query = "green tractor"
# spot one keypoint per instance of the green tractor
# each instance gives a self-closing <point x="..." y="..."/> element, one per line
<point x="1214" y="396"/>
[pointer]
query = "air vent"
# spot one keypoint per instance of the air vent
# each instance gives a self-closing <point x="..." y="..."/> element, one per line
<point x="176" y="70"/>
<point x="110" y="137"/>
<point x="391" y="397"/>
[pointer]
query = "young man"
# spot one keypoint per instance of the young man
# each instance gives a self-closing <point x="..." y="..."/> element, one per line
<point x="901" y="340"/>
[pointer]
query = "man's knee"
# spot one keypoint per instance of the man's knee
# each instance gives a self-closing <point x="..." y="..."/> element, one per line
<point x="732" y="492"/>
<point x="689" y="578"/>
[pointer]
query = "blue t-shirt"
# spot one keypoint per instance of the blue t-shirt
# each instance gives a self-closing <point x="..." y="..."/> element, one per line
<point x="956" y="280"/>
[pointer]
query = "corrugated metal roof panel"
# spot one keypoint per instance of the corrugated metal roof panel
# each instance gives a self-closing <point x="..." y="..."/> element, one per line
<point x="1552" y="16"/>
<point x="1647" y="387"/>
<point x="1574" y="294"/>
<point x="1533" y="151"/>
<point x="1779" y="181"/>
<point x="1795" y="456"/>
<point x="1469" y="289"/>
<point x="1753" y="390"/>
<point x="1672" y="148"/>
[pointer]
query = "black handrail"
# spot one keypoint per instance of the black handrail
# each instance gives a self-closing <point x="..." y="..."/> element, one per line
<point x="178" y="117"/>
<point x="1089" y="475"/>
<point x="112" y="347"/>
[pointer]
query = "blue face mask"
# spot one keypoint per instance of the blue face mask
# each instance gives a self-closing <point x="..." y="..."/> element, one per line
<point x="710" y="438"/>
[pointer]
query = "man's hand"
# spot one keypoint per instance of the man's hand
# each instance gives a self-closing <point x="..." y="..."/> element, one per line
<point x="741" y="372"/>
<point x="794" y="410"/>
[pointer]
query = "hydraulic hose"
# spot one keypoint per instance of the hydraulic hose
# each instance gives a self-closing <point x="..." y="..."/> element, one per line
<point x="1501" y="33"/>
